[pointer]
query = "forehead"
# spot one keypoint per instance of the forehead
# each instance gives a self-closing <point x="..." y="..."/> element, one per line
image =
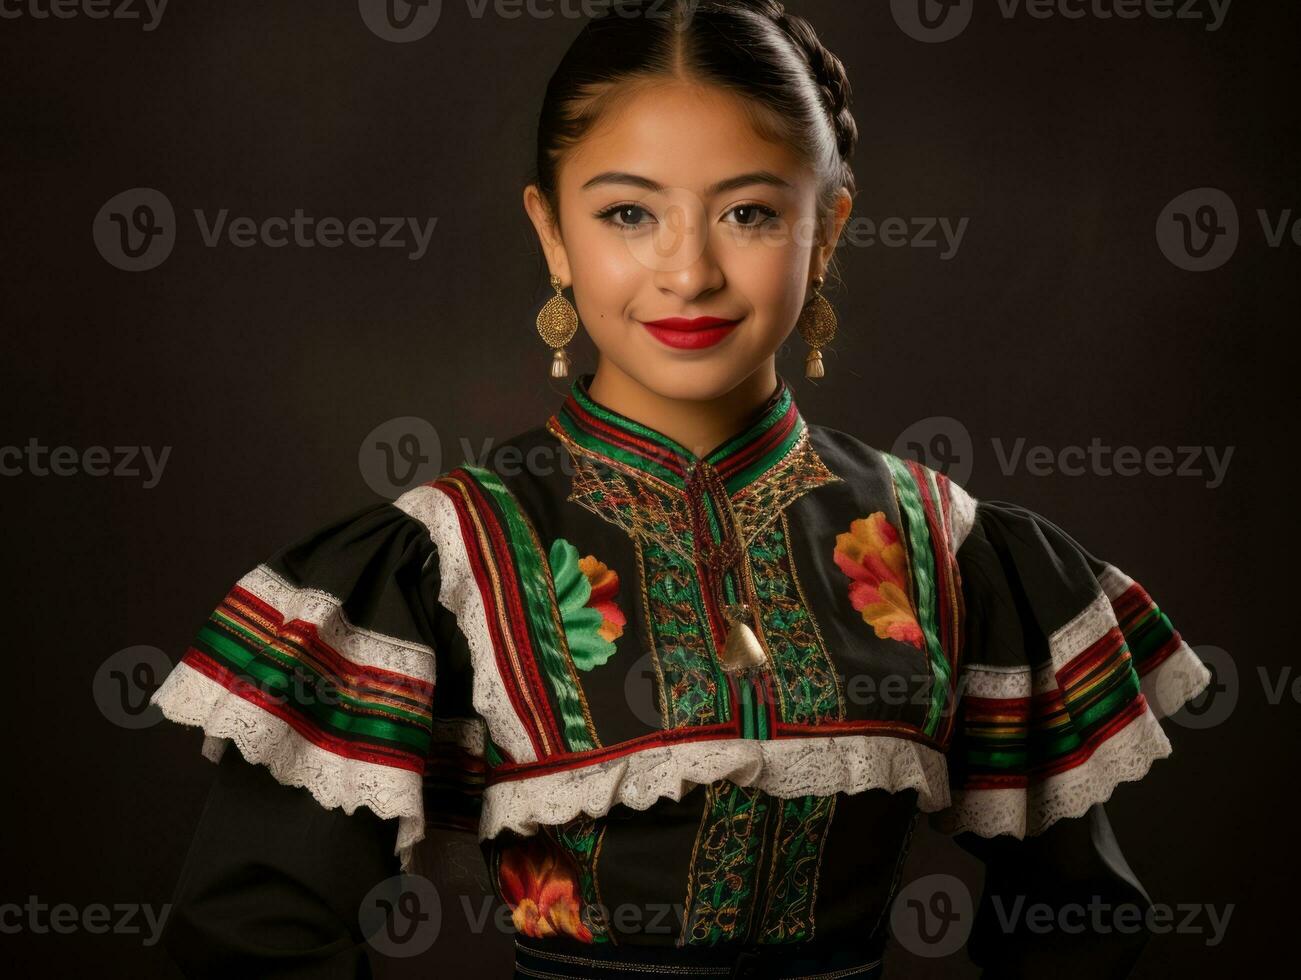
<point x="682" y="135"/>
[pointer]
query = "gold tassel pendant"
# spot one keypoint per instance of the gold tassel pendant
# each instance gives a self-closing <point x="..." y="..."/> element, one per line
<point x="742" y="651"/>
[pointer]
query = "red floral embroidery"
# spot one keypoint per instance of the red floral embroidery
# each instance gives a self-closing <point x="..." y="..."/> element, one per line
<point x="872" y="555"/>
<point x="540" y="884"/>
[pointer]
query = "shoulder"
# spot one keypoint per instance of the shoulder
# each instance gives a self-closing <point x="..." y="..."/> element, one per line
<point x="928" y="489"/>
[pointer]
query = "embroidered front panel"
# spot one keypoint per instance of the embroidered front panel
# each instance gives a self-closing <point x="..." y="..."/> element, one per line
<point x="694" y="689"/>
<point x="698" y="550"/>
<point x="721" y="892"/>
<point x="802" y="826"/>
<point x="753" y="874"/>
<point x="804" y="675"/>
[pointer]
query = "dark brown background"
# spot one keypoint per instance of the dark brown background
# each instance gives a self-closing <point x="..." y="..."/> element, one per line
<point x="1058" y="321"/>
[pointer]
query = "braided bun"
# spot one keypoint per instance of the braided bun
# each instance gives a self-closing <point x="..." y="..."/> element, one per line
<point x="828" y="70"/>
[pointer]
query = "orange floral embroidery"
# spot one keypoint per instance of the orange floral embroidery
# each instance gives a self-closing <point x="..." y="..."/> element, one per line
<point x="540" y="885"/>
<point x="872" y="555"/>
<point x="605" y="586"/>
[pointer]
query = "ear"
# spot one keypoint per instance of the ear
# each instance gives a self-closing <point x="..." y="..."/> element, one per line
<point x="835" y="224"/>
<point x="547" y="226"/>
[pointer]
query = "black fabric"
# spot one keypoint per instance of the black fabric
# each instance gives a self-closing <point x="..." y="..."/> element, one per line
<point x="273" y="882"/>
<point x="1023" y="578"/>
<point x="1074" y="863"/>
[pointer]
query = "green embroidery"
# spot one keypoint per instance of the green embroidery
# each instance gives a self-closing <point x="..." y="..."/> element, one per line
<point x="549" y="642"/>
<point x="587" y="647"/>
<point x="793" y="873"/>
<point x="729" y="846"/>
<point x="921" y="562"/>
<point x="695" y="690"/>
<point x="808" y="689"/>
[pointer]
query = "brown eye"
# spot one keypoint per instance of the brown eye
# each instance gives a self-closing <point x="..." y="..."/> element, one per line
<point x="753" y="215"/>
<point x="631" y="212"/>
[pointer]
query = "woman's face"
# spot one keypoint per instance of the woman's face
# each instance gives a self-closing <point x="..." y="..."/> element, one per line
<point x="674" y="208"/>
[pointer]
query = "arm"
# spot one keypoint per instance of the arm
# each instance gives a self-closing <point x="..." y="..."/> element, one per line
<point x="273" y="882"/>
<point x="1075" y="868"/>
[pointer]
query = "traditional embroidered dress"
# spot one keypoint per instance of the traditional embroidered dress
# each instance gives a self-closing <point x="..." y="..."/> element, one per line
<point x="723" y="685"/>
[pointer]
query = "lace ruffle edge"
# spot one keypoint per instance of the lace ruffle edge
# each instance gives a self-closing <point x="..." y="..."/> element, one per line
<point x="785" y="768"/>
<point x="1126" y="756"/>
<point x="189" y="698"/>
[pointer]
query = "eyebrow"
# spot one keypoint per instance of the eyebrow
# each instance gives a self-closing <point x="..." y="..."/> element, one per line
<point x="730" y="184"/>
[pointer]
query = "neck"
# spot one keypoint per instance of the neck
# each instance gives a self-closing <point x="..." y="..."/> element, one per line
<point x="699" y="425"/>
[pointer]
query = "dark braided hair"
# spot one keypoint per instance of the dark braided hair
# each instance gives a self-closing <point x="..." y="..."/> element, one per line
<point x="797" y="91"/>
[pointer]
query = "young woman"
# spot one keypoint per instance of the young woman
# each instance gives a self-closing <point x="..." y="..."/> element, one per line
<point x="694" y="669"/>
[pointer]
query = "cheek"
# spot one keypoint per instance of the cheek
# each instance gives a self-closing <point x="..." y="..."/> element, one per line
<point x="773" y="281"/>
<point x="610" y="275"/>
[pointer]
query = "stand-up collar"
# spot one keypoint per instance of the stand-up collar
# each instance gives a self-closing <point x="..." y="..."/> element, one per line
<point x="760" y="444"/>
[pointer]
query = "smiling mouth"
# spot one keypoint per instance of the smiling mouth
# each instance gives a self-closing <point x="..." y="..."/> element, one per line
<point x="693" y="334"/>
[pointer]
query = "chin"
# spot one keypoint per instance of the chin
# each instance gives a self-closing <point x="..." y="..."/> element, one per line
<point x="692" y="379"/>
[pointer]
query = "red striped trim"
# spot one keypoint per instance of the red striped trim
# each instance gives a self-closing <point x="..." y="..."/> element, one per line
<point x="746" y="455"/>
<point x="332" y="662"/>
<point x="701" y="733"/>
<point x="1111" y="645"/>
<point x="945" y="586"/>
<point x="624" y="439"/>
<point x="1064" y="763"/>
<point x="374" y="754"/>
<point x="464" y="493"/>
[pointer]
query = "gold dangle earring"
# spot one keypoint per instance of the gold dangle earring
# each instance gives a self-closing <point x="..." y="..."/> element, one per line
<point x="557" y="324"/>
<point x="817" y="325"/>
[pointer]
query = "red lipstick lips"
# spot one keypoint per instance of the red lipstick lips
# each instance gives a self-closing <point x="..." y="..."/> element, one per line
<point x="696" y="334"/>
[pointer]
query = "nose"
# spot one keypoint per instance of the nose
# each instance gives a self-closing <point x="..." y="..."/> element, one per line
<point x="686" y="266"/>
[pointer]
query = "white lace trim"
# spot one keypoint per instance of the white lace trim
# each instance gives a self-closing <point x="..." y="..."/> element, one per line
<point x="962" y="514"/>
<point x="459" y="594"/>
<point x="1124" y="757"/>
<point x="1114" y="582"/>
<point x="1090" y="625"/>
<point x="785" y="768"/>
<point x="1179" y="678"/>
<point x="989" y="681"/>
<point x="324" y="611"/>
<point x="189" y="698"/>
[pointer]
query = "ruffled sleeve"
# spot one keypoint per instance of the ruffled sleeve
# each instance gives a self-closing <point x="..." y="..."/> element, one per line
<point x="1067" y="668"/>
<point x="333" y="665"/>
